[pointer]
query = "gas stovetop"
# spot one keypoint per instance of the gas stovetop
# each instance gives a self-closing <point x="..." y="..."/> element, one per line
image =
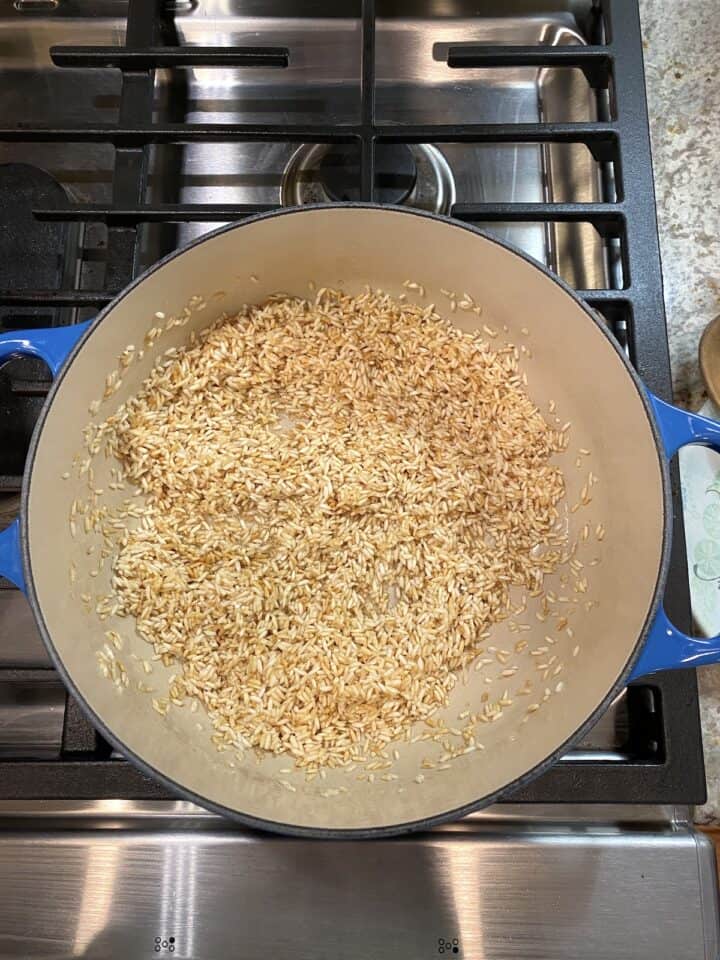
<point x="126" y="130"/>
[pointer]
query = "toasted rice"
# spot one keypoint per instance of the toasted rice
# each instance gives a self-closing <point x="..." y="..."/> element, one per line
<point x="339" y="495"/>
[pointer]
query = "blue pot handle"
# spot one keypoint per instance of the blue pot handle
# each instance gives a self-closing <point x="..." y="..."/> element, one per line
<point x="667" y="647"/>
<point x="53" y="346"/>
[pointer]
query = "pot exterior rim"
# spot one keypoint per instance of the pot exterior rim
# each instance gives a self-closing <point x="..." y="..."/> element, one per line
<point x="354" y="832"/>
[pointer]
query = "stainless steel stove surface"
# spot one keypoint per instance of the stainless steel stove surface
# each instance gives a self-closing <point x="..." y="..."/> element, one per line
<point x="222" y="108"/>
<point x="118" y="880"/>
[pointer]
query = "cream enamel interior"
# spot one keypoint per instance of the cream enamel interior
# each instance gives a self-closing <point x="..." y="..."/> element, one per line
<point x="572" y="363"/>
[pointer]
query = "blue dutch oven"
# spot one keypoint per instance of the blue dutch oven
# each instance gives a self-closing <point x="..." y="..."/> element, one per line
<point x="620" y="630"/>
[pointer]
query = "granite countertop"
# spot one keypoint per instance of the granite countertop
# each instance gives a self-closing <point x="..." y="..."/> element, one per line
<point x="682" y="69"/>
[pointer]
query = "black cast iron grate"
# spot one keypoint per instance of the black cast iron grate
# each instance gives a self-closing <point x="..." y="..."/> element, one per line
<point x="664" y="751"/>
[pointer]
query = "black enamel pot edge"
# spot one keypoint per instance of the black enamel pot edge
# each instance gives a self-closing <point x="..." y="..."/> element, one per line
<point x="386" y="830"/>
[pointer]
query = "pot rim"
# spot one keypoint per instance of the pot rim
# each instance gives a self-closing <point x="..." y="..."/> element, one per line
<point x="388" y="830"/>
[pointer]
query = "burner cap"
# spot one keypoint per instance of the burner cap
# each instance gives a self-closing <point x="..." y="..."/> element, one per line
<point x="395" y="172"/>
